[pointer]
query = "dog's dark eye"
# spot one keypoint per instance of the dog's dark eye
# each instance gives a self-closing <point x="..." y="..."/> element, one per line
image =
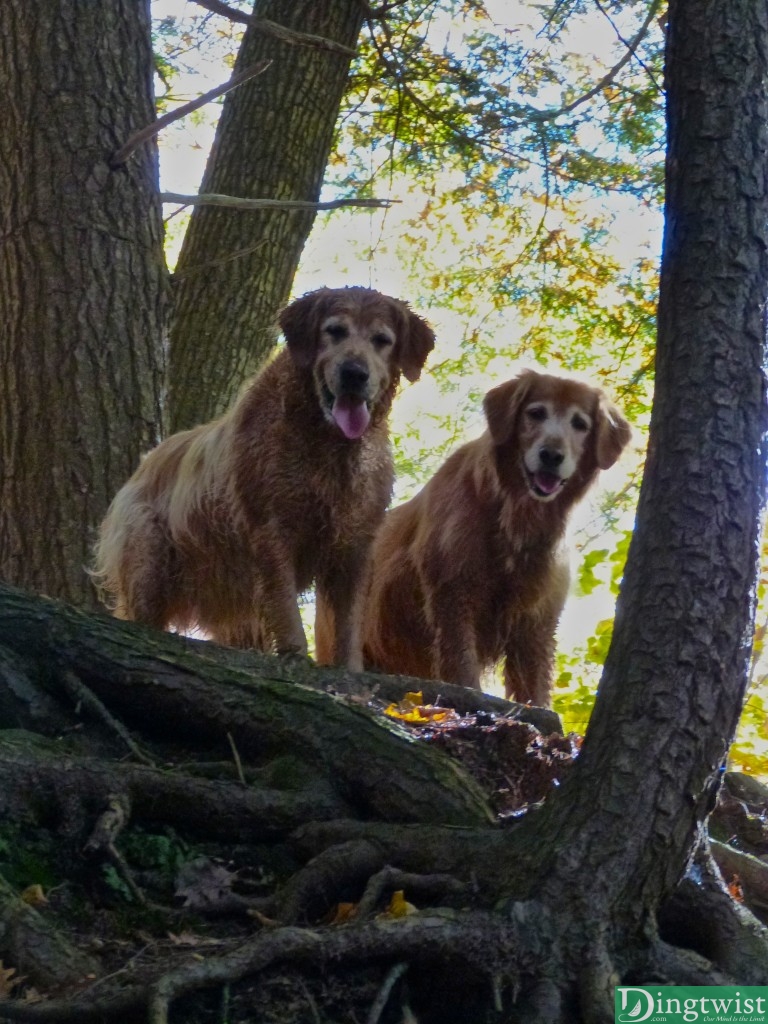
<point x="537" y="413"/>
<point x="381" y="340"/>
<point x="580" y="424"/>
<point x="338" y="332"/>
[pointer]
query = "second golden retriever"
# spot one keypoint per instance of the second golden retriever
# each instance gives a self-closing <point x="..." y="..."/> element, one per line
<point x="223" y="526"/>
<point x="472" y="569"/>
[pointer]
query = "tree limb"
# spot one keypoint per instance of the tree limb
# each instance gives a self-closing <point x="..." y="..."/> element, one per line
<point x="149" y="131"/>
<point x="239" y="203"/>
<point x="271" y="28"/>
<point x="531" y="114"/>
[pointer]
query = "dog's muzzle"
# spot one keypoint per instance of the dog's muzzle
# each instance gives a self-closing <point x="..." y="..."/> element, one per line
<point x="546" y="481"/>
<point x="349" y="405"/>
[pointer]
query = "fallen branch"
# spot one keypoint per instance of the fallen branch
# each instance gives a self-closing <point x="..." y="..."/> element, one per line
<point x="149" y="131"/>
<point x="239" y="203"/>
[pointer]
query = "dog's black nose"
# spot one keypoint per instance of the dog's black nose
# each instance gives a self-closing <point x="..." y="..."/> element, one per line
<point x="353" y="377"/>
<point x="550" y="458"/>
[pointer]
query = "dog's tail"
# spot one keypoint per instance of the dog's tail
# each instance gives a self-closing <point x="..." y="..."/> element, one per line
<point x="130" y="566"/>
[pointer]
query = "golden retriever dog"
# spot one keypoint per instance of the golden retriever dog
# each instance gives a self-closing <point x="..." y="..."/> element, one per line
<point x="223" y="526"/>
<point x="473" y="568"/>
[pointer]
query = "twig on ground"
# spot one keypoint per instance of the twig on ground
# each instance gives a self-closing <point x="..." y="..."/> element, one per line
<point x="381" y="1000"/>
<point x="81" y="694"/>
<point x="238" y="762"/>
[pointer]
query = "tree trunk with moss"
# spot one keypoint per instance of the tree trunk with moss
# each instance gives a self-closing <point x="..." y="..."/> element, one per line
<point x="273" y="141"/>
<point x="82" y="279"/>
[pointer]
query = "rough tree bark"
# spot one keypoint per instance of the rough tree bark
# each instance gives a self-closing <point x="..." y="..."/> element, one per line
<point x="236" y="268"/>
<point x="82" y="278"/>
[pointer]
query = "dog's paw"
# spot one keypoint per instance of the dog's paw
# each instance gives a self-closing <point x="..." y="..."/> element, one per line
<point x="299" y="659"/>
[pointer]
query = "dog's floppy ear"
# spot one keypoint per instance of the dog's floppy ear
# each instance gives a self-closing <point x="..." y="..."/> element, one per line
<point x="300" y="324"/>
<point x="502" y="405"/>
<point x="416" y="340"/>
<point x="613" y="433"/>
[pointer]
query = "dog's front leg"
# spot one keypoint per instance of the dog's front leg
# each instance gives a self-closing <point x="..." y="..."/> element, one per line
<point x="340" y="592"/>
<point x="276" y="600"/>
<point x="284" y="622"/>
<point x="529" y="661"/>
<point x="454" y="652"/>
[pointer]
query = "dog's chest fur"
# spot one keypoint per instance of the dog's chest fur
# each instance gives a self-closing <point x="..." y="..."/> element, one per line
<point x="330" y="492"/>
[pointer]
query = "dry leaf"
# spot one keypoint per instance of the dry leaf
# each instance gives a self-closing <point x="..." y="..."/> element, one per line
<point x="202" y="882"/>
<point x="413" y="710"/>
<point x="34" y="896"/>
<point x="7" y="981"/>
<point x="343" y="913"/>
<point x="267" y="922"/>
<point x="735" y="889"/>
<point x="398" y="906"/>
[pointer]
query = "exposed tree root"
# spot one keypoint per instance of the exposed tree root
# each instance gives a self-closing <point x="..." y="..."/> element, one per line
<point x="272" y="803"/>
<point x="525" y="959"/>
<point x="72" y="787"/>
<point x="434" y="890"/>
<point x="705" y="918"/>
<point x="748" y="872"/>
<point x="39" y="950"/>
<point x="166" y="685"/>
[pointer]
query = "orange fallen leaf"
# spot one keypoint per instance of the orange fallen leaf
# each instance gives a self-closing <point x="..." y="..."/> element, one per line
<point x="735" y="889"/>
<point x="343" y="913"/>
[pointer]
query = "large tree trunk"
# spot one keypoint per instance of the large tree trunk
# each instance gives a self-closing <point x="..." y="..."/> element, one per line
<point x="236" y="268"/>
<point x="82" y="277"/>
<point x="675" y="677"/>
<point x="674" y="680"/>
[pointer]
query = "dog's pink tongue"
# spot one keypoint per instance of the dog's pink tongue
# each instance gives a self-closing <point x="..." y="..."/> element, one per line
<point x="547" y="483"/>
<point x="351" y="415"/>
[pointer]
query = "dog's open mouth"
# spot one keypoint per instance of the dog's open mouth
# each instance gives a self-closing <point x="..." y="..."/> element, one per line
<point x="351" y="415"/>
<point x="544" y="484"/>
